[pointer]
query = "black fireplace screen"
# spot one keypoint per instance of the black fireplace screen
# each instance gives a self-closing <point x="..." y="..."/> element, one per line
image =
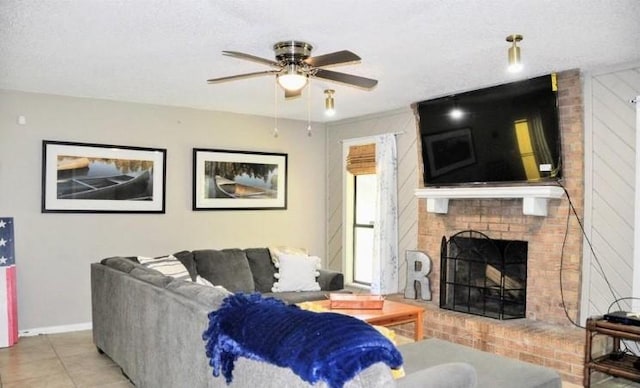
<point x="483" y="276"/>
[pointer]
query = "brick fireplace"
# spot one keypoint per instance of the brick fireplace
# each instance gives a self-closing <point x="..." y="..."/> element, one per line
<point x="546" y="336"/>
<point x="483" y="276"/>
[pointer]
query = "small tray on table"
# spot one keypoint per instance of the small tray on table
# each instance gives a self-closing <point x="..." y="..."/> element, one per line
<point x="355" y="301"/>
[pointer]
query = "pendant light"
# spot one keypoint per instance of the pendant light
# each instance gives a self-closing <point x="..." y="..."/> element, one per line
<point x="515" y="64"/>
<point x="329" y="103"/>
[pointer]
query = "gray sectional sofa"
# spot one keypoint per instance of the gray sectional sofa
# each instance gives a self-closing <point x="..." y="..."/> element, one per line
<point x="151" y="325"/>
<point x="251" y="270"/>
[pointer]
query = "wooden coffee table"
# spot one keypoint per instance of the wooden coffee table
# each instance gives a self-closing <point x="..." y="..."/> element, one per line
<point x="392" y="313"/>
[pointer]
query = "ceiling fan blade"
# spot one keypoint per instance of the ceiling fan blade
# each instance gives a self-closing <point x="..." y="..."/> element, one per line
<point x="249" y="57"/>
<point x="350" y="79"/>
<point x="240" y="76"/>
<point x="337" y="58"/>
<point x="292" y="93"/>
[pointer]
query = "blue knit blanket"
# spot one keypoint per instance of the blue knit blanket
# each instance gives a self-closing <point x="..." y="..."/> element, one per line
<point x="326" y="347"/>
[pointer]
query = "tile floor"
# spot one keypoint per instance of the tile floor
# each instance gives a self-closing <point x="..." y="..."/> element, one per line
<point x="58" y="361"/>
<point x="71" y="360"/>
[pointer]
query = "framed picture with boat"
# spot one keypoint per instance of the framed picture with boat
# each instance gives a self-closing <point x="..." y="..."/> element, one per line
<point x="239" y="180"/>
<point x="100" y="178"/>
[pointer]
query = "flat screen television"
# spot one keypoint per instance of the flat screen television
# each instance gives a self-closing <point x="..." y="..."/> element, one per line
<point x="505" y="134"/>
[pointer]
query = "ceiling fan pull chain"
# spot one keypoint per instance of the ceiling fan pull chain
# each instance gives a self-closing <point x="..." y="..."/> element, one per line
<point x="309" y="108"/>
<point x="275" y="113"/>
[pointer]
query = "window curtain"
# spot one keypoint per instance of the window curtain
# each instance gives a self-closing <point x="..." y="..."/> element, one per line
<point x="362" y="159"/>
<point x="385" y="238"/>
<point x="635" y="290"/>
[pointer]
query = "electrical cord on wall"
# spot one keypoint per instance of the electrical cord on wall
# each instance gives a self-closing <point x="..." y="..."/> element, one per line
<point x="572" y="209"/>
<point x="616" y="300"/>
<point x="621" y="299"/>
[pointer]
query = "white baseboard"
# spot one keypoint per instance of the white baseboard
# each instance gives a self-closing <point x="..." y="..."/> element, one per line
<point x="55" y="329"/>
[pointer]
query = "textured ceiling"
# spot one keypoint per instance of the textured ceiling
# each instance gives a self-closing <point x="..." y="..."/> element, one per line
<point x="162" y="51"/>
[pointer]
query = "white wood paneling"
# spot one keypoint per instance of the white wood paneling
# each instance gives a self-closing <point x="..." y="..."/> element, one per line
<point x="609" y="188"/>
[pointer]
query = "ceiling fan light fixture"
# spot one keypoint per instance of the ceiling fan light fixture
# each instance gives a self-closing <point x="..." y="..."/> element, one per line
<point x="329" y="102"/>
<point x="294" y="67"/>
<point x="292" y="78"/>
<point x="513" y="54"/>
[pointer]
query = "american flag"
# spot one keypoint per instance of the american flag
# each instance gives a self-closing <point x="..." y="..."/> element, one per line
<point x="8" y="302"/>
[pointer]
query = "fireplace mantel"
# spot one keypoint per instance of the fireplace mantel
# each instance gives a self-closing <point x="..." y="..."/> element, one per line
<point x="534" y="198"/>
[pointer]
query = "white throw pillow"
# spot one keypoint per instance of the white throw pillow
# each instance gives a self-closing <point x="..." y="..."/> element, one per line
<point x="297" y="273"/>
<point x="278" y="251"/>
<point x="167" y="265"/>
<point x="203" y="281"/>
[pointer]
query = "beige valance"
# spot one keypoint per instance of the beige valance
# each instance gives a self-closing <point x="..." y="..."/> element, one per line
<point x="362" y="159"/>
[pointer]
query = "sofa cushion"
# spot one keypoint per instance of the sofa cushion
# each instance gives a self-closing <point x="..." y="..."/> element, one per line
<point x="492" y="370"/>
<point x="124" y="264"/>
<point x="151" y="276"/>
<point x="262" y="268"/>
<point x="448" y="375"/>
<point x="186" y="258"/>
<point x="210" y="296"/>
<point x="228" y="268"/>
<point x="128" y="264"/>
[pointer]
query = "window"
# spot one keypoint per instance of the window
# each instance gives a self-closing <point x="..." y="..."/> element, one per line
<point x="364" y="208"/>
<point x="359" y="200"/>
<point x="370" y="193"/>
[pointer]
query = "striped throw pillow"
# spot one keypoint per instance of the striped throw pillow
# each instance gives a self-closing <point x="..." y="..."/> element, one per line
<point x="167" y="265"/>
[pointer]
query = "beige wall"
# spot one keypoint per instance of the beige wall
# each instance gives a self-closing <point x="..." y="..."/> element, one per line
<point x="53" y="251"/>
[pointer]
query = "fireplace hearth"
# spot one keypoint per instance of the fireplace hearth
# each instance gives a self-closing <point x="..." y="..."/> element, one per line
<point x="483" y="276"/>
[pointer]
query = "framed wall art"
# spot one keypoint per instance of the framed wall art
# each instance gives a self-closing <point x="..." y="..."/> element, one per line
<point x="239" y="180"/>
<point x="100" y="178"/>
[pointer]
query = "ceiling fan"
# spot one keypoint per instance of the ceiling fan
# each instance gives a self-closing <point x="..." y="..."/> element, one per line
<point x="294" y="65"/>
